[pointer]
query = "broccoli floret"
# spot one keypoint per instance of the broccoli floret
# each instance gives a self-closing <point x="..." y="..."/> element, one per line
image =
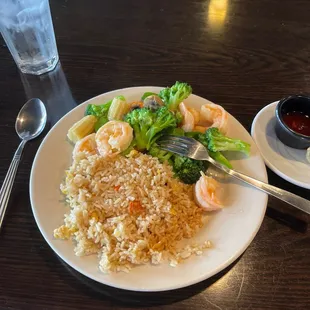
<point x="164" y="119"/>
<point x="101" y="121"/>
<point x="178" y="161"/>
<point x="162" y="155"/>
<point x="100" y="111"/>
<point x="187" y="169"/>
<point x="179" y="117"/>
<point x="218" y="156"/>
<point x="175" y="132"/>
<point x="147" y="125"/>
<point x="194" y="134"/>
<point x="140" y="120"/>
<point x="174" y="95"/>
<point x="217" y="142"/>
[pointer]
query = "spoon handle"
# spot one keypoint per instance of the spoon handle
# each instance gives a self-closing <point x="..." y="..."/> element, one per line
<point x="9" y="180"/>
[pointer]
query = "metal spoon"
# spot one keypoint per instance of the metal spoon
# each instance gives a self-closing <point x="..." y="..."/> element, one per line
<point x="30" y="122"/>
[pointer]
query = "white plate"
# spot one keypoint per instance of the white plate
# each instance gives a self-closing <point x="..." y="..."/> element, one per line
<point x="230" y="230"/>
<point x="290" y="164"/>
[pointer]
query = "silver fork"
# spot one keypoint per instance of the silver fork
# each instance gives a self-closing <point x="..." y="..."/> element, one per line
<point x="191" y="148"/>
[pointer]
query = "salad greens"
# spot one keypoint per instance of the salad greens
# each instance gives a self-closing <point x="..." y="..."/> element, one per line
<point x="149" y="124"/>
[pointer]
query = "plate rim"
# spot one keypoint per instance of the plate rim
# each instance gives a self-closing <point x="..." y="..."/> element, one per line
<point x="215" y="271"/>
<point x="269" y="164"/>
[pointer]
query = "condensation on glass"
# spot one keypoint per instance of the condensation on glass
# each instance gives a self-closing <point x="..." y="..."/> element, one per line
<point x="27" y="28"/>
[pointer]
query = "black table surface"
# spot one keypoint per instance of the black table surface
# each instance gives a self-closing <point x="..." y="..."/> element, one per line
<point x="238" y="53"/>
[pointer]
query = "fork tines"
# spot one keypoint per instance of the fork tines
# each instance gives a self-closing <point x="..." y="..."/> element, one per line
<point x="176" y="140"/>
<point x="176" y="144"/>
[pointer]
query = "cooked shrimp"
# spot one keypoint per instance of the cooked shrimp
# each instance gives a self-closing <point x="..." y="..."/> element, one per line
<point x="216" y="115"/>
<point x="205" y="191"/>
<point x="195" y="114"/>
<point x="201" y="129"/>
<point x="87" y="145"/>
<point x="188" y="121"/>
<point x="113" y="138"/>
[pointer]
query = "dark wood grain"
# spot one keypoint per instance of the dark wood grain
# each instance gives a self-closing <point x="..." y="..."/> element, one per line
<point x="258" y="53"/>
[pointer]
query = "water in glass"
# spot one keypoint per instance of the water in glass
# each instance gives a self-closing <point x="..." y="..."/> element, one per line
<point x="27" y="28"/>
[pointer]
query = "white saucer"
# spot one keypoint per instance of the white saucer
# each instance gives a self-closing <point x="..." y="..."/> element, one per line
<point x="288" y="163"/>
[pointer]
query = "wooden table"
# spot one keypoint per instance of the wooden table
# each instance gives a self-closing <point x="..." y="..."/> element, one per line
<point x="238" y="53"/>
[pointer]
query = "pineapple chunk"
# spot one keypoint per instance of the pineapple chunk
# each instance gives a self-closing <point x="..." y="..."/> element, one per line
<point x="118" y="109"/>
<point x="82" y="128"/>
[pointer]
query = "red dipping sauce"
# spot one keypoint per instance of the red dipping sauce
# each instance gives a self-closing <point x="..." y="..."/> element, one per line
<point x="298" y="122"/>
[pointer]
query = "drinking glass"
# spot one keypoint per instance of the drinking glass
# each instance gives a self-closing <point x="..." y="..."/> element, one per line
<point x="27" y="28"/>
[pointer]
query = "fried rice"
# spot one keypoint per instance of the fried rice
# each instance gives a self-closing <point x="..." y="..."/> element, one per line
<point x="129" y="210"/>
